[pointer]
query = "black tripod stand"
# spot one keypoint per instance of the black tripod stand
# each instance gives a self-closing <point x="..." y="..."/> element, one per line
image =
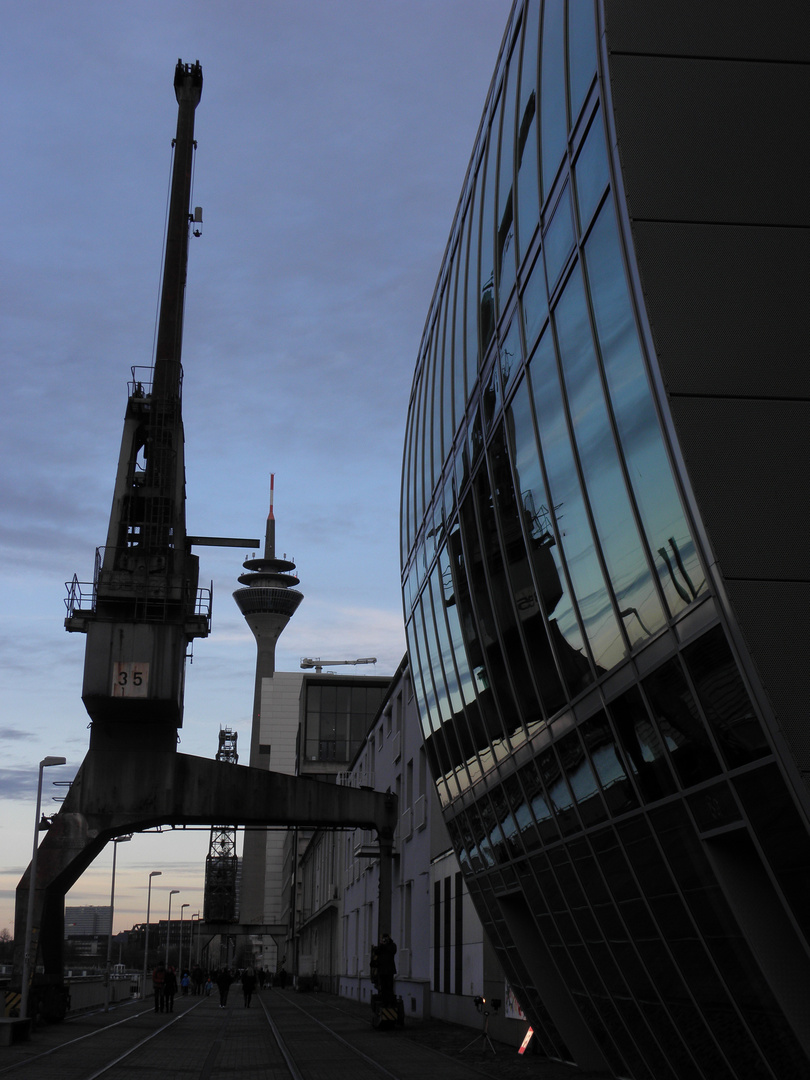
<point x="484" y="1038"/>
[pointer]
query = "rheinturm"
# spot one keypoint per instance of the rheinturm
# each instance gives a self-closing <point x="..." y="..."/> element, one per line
<point x="268" y="601"/>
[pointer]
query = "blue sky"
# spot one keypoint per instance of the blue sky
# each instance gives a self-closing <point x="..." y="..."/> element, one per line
<point x="333" y="138"/>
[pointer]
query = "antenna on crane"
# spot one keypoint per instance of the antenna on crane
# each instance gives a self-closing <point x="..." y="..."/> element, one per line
<point x="319" y="665"/>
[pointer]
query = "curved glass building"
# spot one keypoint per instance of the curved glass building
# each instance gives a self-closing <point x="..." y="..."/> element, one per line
<point x="604" y="511"/>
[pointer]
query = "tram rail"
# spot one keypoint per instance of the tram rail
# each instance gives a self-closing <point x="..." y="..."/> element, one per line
<point x="284" y="1034"/>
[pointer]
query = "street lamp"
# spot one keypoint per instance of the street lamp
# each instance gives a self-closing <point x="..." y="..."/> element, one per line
<point x="155" y="873"/>
<point x="32" y="885"/>
<point x="180" y="950"/>
<point x="196" y="915"/>
<point x="116" y="841"/>
<point x="174" y="892"/>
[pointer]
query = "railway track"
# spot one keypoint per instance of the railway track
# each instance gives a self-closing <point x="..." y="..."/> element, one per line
<point x="283" y="1035"/>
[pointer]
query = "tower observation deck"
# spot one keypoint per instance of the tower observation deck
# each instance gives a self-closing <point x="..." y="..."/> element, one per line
<point x="268" y="600"/>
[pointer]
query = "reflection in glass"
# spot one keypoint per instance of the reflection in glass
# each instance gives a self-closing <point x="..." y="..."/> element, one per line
<point x="581" y="52"/>
<point x="573" y="527"/>
<point x="680" y="725"/>
<point x="545" y="581"/>
<point x="506" y="221"/>
<point x="534" y="304"/>
<point x="591" y="172"/>
<point x="487" y="247"/>
<point x="520" y="587"/>
<point x="558" y="241"/>
<point x="725" y="701"/>
<point x="642" y="746"/>
<point x="619" y="539"/>
<point x="528" y="201"/>
<point x="581" y="779"/>
<point x="471" y="320"/>
<point x="510" y="353"/>
<point x="637" y="422"/>
<point x="604" y="754"/>
<point x="553" y="126"/>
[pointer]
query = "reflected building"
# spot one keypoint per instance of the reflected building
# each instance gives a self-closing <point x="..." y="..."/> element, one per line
<point x="603" y="514"/>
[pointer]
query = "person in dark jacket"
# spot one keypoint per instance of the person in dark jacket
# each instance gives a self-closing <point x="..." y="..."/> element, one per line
<point x="248" y="985"/>
<point x="386" y="967"/>
<point x="223" y="981"/>
<point x="169" y="988"/>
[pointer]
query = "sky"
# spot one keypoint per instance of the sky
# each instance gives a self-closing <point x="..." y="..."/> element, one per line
<point x="333" y="138"/>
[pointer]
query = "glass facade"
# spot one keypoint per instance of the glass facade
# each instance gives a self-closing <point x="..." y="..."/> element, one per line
<point x="602" y="764"/>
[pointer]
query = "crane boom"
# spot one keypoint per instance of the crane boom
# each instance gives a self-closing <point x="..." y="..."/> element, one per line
<point x="319" y="665"/>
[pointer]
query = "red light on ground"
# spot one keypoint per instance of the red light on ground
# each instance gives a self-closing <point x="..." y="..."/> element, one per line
<point x="526" y="1041"/>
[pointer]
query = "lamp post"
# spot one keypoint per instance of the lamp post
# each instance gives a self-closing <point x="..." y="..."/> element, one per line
<point x="173" y="892"/>
<point x="180" y="949"/>
<point x="196" y="915"/>
<point x="116" y="841"/>
<point x="32" y="885"/>
<point x="155" y="873"/>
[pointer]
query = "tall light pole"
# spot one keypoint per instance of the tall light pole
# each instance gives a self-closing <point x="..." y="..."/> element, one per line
<point x="173" y="892"/>
<point x="32" y="885"/>
<point x="155" y="873"/>
<point x="196" y="915"/>
<point x="180" y="950"/>
<point x="116" y="841"/>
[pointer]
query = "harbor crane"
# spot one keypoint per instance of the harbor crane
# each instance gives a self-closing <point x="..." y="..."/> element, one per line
<point x="319" y="665"/>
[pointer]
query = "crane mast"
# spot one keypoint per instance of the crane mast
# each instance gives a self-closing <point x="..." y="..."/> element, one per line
<point x="144" y="609"/>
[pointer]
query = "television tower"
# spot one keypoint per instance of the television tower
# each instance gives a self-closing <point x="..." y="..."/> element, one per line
<point x="268" y="601"/>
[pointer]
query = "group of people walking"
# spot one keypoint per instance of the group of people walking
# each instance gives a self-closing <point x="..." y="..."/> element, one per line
<point x="196" y="982"/>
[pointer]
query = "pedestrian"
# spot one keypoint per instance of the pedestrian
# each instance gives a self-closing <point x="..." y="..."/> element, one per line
<point x="209" y="986"/>
<point x="170" y="988"/>
<point x="185" y="982"/>
<point x="248" y="985"/>
<point x="158" y="983"/>
<point x="386" y="968"/>
<point x="224" y="981"/>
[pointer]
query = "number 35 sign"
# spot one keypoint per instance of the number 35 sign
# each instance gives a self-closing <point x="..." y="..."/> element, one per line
<point x="130" y="680"/>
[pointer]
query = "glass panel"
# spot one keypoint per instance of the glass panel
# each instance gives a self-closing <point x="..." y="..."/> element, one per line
<point x="552" y="94"/>
<point x="581" y="52"/>
<point x="528" y="203"/>
<point x="601" y="746"/>
<point x="492" y="680"/>
<point x="642" y="746"/>
<point x="558" y="242"/>
<point x="506" y="219"/>
<point x="471" y="320"/>
<point x="435" y="460"/>
<point x="416" y="454"/>
<point x="459" y="367"/>
<point x="591" y="173"/>
<point x="445" y="361"/>
<point x="520" y="586"/>
<point x="491" y="399"/>
<point x="581" y="779"/>
<point x="725" y="701"/>
<point x="534" y="304"/>
<point x="544" y="580"/>
<point x="407" y="531"/>
<point x="573" y="527"/>
<point x="637" y="422"/>
<point x="510" y="353"/>
<point x="545" y="563"/>
<point x="681" y="727"/>
<point x="500" y="582"/>
<point x="627" y="565"/>
<point x="487" y="280"/>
